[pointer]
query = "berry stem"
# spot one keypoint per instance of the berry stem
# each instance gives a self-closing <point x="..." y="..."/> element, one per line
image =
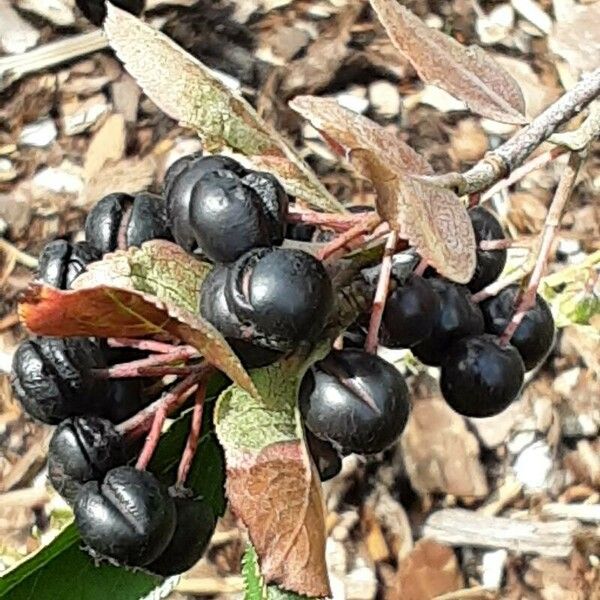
<point x="366" y="225"/>
<point x="381" y="293"/>
<point x="506" y="243"/>
<point x="337" y="221"/>
<point x="133" y="368"/>
<point x="142" y="422"/>
<point x="193" y="436"/>
<point x="561" y="196"/>
<point x="421" y="267"/>
<point x="168" y="370"/>
<point x="150" y="345"/>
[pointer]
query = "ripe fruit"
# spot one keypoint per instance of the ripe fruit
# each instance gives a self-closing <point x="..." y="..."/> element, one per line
<point x="458" y="317"/>
<point x="129" y="517"/>
<point x="326" y="459"/>
<point x="195" y="524"/>
<point x="479" y="377"/>
<point x="215" y="309"/>
<point x="124" y="399"/>
<point x="282" y="297"/>
<point x="120" y="221"/>
<point x="356" y="401"/>
<point x="534" y="337"/>
<point x="179" y="182"/>
<point x="51" y="377"/>
<point x="60" y="262"/>
<point x="490" y="263"/>
<point x="95" y="10"/>
<point x="83" y="449"/>
<point x="410" y="313"/>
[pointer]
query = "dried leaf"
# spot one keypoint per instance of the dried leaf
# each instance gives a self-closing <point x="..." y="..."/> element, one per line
<point x="465" y="72"/>
<point x="271" y="485"/>
<point x="430" y="217"/>
<point x="187" y="91"/>
<point x="114" y="312"/>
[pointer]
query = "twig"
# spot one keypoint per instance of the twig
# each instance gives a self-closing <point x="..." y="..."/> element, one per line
<point x="366" y="225"/>
<point x="21" y="257"/>
<point x="381" y="293"/>
<point x="506" y="243"/>
<point x="588" y="513"/>
<point x="459" y="527"/>
<point x="499" y="163"/>
<point x="133" y="368"/>
<point x="193" y="436"/>
<point x="13" y="68"/>
<point x="561" y="197"/>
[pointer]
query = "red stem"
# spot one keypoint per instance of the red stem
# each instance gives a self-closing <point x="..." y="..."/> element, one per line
<point x="559" y="201"/>
<point x="336" y="221"/>
<point x="365" y="226"/>
<point x="193" y="436"/>
<point x="150" y="345"/>
<point x="381" y="293"/>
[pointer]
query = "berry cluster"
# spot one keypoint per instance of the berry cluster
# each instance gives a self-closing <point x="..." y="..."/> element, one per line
<point x="267" y="300"/>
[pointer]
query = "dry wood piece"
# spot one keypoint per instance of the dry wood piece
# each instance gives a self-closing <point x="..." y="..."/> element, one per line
<point x="589" y="513"/>
<point x="459" y="527"/>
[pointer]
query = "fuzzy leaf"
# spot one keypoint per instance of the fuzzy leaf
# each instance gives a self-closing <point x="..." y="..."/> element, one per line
<point x="106" y="311"/>
<point x="159" y="268"/>
<point x="189" y="92"/>
<point x="271" y="484"/>
<point x="430" y="217"/>
<point x="466" y="72"/>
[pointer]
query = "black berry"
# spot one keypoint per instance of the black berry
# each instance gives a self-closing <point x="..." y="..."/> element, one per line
<point x="129" y="517"/>
<point x="410" y="313"/>
<point x="324" y="455"/>
<point x="83" y="449"/>
<point x="490" y="263"/>
<point x="193" y="530"/>
<point x="356" y="401"/>
<point x="533" y="337"/>
<point x="282" y="297"/>
<point x="60" y="262"/>
<point x="457" y="317"/>
<point x="124" y="399"/>
<point x="52" y="379"/>
<point x="479" y="377"/>
<point x="179" y="182"/>
<point x="119" y="221"/>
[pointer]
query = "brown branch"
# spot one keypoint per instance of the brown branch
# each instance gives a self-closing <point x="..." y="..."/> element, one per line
<point x="561" y="197"/>
<point x="510" y="155"/>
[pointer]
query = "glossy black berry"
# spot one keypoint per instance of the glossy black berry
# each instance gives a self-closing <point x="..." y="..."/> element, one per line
<point x="479" y="377"/>
<point x="356" y="401"/>
<point x="119" y="221"/>
<point x="410" y="313"/>
<point x="128" y="517"/>
<point x="215" y="309"/>
<point x="51" y="377"/>
<point x="179" y="182"/>
<point x="324" y="455"/>
<point x="227" y="217"/>
<point x="124" y="399"/>
<point x="457" y="317"/>
<point x="282" y="297"/>
<point x="534" y="337"/>
<point x="83" y="449"/>
<point x="490" y="263"/>
<point x="193" y="531"/>
<point x="95" y="10"/>
<point x="61" y="262"/>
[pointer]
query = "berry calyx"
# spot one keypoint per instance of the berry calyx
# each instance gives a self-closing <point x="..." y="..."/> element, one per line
<point x="195" y="524"/>
<point x="129" y="517"/>
<point x="410" y="313"/>
<point x="356" y="401"/>
<point x="457" y="317"/>
<point x="60" y="262"/>
<point x="83" y="449"/>
<point x="534" y="337"/>
<point x="480" y="377"/>
<point x="282" y="297"/>
<point x="490" y="263"/>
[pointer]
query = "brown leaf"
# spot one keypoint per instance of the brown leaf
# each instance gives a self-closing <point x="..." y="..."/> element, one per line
<point x="113" y="312"/>
<point x="430" y="217"/>
<point x="465" y="72"/>
<point x="430" y="570"/>
<point x="189" y="92"/>
<point x="287" y="526"/>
